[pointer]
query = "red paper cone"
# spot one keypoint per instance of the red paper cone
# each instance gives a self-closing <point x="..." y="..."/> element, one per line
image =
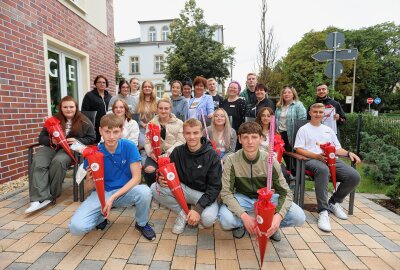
<point x="154" y="137"/>
<point x="55" y="131"/>
<point x="329" y="151"/>
<point x="265" y="211"/>
<point x="171" y="175"/>
<point x="214" y="145"/>
<point x="96" y="163"/>
<point x="279" y="148"/>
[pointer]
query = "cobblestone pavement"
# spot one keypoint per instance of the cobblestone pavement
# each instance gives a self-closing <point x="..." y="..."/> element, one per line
<point x="370" y="239"/>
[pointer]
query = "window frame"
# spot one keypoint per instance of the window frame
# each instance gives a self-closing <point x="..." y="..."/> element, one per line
<point x="160" y="63"/>
<point x="131" y="71"/>
<point x="152" y="34"/>
<point x="162" y="90"/>
<point x="164" y="33"/>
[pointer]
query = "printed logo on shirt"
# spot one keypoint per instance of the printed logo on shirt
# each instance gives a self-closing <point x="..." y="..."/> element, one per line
<point x="194" y="105"/>
<point x="123" y="161"/>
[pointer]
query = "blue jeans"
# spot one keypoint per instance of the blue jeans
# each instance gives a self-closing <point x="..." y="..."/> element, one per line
<point x="165" y="197"/>
<point x="89" y="214"/>
<point x="294" y="217"/>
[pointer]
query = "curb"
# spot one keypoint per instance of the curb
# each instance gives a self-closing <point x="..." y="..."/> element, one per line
<point x="12" y="193"/>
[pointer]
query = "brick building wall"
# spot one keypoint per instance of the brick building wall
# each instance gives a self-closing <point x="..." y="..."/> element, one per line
<point x="23" y="94"/>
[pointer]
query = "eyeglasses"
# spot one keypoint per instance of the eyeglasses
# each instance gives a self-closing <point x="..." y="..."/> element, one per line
<point x="219" y="116"/>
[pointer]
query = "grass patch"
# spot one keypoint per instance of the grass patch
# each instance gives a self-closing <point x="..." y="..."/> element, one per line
<point x="367" y="184"/>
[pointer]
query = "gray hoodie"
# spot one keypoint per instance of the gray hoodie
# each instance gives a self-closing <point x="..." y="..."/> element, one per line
<point x="180" y="106"/>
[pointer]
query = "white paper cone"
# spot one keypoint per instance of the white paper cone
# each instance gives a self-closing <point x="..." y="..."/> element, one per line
<point x="80" y="174"/>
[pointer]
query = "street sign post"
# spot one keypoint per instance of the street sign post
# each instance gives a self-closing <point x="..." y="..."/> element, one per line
<point x="334" y="68"/>
<point x="369" y="101"/>
<point x="377" y="100"/>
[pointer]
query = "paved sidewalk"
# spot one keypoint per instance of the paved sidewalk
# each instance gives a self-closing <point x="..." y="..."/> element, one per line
<point x="370" y="239"/>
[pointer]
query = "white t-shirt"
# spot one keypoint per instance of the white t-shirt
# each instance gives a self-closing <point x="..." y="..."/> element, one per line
<point x="309" y="137"/>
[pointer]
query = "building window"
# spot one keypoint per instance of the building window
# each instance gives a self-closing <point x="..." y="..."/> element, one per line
<point x="152" y="34"/>
<point x="158" y="63"/>
<point x="64" y="77"/>
<point x="164" y="33"/>
<point x="134" y="65"/>
<point x="160" y="90"/>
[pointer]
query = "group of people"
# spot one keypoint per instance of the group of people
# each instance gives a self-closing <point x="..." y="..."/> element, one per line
<point x="221" y="165"/>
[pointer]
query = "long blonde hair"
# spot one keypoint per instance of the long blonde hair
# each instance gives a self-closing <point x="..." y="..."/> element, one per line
<point x="281" y="102"/>
<point x="141" y="106"/>
<point x="227" y="129"/>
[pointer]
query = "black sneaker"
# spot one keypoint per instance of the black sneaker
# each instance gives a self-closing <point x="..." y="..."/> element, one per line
<point x="276" y="236"/>
<point x="102" y="225"/>
<point x="239" y="232"/>
<point x="146" y="231"/>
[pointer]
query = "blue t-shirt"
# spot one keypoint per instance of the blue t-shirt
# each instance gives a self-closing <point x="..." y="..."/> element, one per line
<point x="117" y="171"/>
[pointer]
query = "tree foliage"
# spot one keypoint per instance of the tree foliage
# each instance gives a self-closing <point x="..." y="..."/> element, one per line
<point x="195" y="52"/>
<point x="378" y="64"/>
<point x="118" y="54"/>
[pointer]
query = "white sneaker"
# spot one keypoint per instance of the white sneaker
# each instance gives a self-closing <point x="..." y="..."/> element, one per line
<point x="180" y="223"/>
<point x="323" y="221"/>
<point x="337" y="210"/>
<point x="36" y="206"/>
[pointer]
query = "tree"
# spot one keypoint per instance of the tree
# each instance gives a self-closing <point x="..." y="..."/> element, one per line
<point x="267" y="48"/>
<point x="195" y="52"/>
<point x="378" y="64"/>
<point x="118" y="53"/>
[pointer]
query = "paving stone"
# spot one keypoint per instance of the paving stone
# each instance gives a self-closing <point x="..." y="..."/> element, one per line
<point x="160" y="265"/>
<point x="74" y="257"/>
<point x="187" y="240"/>
<point x="350" y="260"/>
<point x="368" y="241"/>
<point x="283" y="248"/>
<point x="122" y="251"/>
<point x="334" y="243"/>
<point x="18" y="266"/>
<point x="205" y="242"/>
<point x="116" y="231"/>
<point x="247" y="259"/>
<point x="114" y="264"/>
<point x="185" y="251"/>
<point x="243" y="243"/>
<point x="131" y="236"/>
<point x="54" y="211"/>
<point x="227" y="264"/>
<point x="308" y="259"/>
<point x="296" y="241"/>
<point x="387" y="243"/>
<point x="319" y="248"/>
<point x="387" y="257"/>
<point x="200" y="266"/>
<point x="19" y="203"/>
<point x="346" y="238"/>
<point x="369" y="230"/>
<point x="54" y="236"/>
<point x="225" y="250"/>
<point x="142" y="253"/>
<point x="362" y="251"/>
<point x="136" y="267"/>
<point x="189" y="230"/>
<point x="309" y="235"/>
<point x="66" y="243"/>
<point x="377" y="225"/>
<point x="13" y="225"/>
<point x="4" y="233"/>
<point x="330" y="261"/>
<point x="60" y="218"/>
<point x="90" y="265"/>
<point x="46" y="228"/>
<point x="91" y="238"/>
<point x="352" y="228"/>
<point x="310" y="218"/>
<point x="5" y="243"/>
<point x="223" y="235"/>
<point x="22" y="231"/>
<point x="165" y="250"/>
<point x="205" y="256"/>
<point x="102" y="250"/>
<point x="272" y="265"/>
<point x="26" y="242"/>
<point x="291" y="263"/>
<point x="32" y="254"/>
<point x="48" y="260"/>
<point x="158" y="225"/>
<point x="6" y="258"/>
<point x="184" y="263"/>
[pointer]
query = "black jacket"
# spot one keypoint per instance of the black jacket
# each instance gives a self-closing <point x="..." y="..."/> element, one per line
<point x="266" y="102"/>
<point x="201" y="171"/>
<point x="94" y="102"/>
<point x="85" y="134"/>
<point x="329" y="102"/>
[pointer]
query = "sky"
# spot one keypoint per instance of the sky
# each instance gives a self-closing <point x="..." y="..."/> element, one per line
<point x="290" y="19"/>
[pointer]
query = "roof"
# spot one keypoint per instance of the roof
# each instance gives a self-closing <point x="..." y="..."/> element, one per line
<point x="133" y="40"/>
<point x="154" y="21"/>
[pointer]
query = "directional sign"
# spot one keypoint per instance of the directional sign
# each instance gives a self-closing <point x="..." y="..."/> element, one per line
<point x="347" y="54"/>
<point x="330" y="40"/>
<point x="370" y="100"/>
<point x="377" y="100"/>
<point x="329" y="69"/>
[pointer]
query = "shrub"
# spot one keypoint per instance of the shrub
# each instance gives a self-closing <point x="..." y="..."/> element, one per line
<point x="383" y="157"/>
<point x="394" y="191"/>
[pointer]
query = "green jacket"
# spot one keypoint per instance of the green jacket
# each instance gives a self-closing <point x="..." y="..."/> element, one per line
<point x="246" y="177"/>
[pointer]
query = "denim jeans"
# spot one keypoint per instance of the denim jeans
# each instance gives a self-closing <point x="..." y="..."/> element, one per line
<point x="294" y="217"/>
<point x="89" y="215"/>
<point x="165" y="197"/>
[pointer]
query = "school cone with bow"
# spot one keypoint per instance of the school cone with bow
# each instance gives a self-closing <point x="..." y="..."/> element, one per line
<point x="168" y="171"/>
<point x="55" y="131"/>
<point x="153" y="135"/>
<point x="330" y="154"/>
